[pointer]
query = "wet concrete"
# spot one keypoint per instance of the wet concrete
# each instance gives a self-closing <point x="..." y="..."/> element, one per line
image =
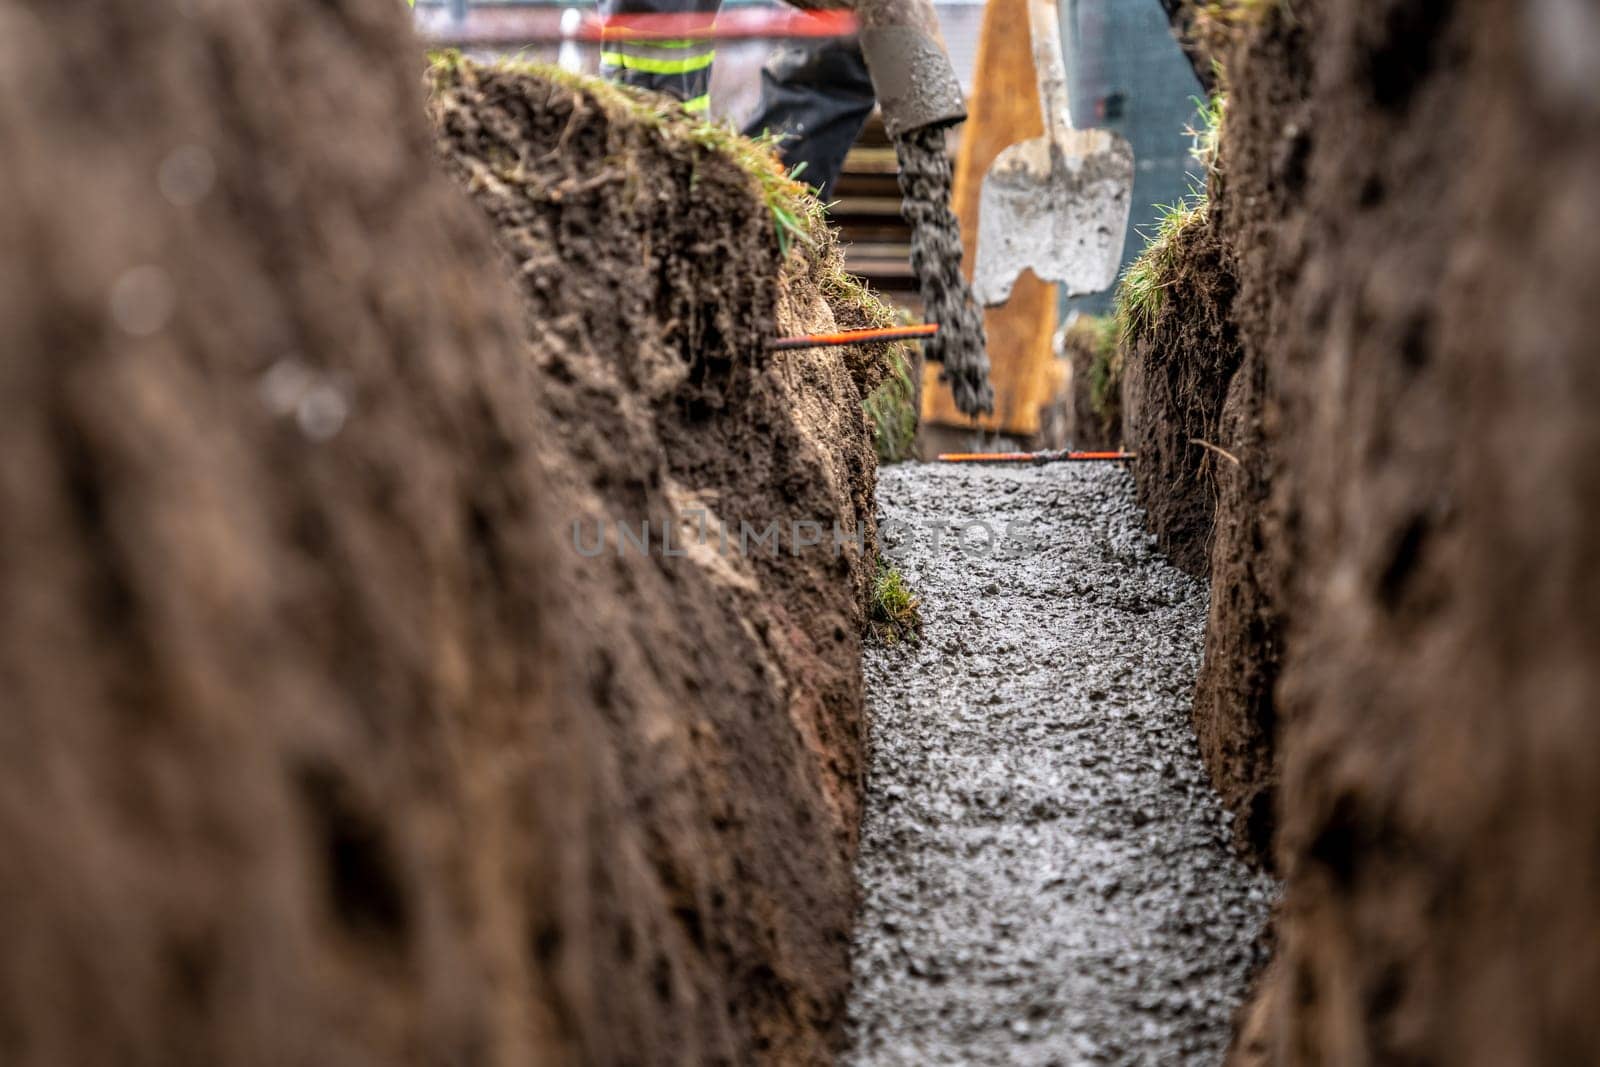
<point x="1046" y="872"/>
<point x="960" y="347"/>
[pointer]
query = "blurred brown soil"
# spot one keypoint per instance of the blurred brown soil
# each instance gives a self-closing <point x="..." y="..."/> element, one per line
<point x="1403" y="655"/>
<point x="321" y="743"/>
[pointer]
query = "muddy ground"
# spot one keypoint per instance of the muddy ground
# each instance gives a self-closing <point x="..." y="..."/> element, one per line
<point x="322" y="743"/>
<point x="1404" y="642"/>
<point x="1047" y="873"/>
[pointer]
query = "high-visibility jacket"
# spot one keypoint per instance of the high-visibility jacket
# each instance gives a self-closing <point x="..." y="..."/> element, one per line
<point x="819" y="94"/>
<point x="679" y="68"/>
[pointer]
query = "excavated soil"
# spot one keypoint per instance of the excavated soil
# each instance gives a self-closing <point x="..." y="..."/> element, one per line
<point x="1253" y="196"/>
<point x="1047" y="872"/>
<point x="1190" y="401"/>
<point x="323" y="743"/>
<point x="1407" y="191"/>
<point x="1192" y="396"/>
<point x="728" y="686"/>
<point x="1441" y="753"/>
<point x="1174" y="379"/>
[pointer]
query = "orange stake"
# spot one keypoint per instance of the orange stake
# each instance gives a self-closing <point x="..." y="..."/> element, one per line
<point x="855" y="337"/>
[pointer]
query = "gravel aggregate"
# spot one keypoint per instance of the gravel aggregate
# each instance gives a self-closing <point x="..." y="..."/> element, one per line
<point x="1045" y="870"/>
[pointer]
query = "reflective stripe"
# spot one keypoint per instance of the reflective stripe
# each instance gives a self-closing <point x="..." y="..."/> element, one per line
<point x="652" y="65"/>
<point x="699" y="103"/>
<point x="647" y="42"/>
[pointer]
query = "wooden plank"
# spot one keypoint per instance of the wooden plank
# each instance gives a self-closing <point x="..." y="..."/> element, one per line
<point x="885" y="206"/>
<point x="873" y="161"/>
<point x="1003" y="109"/>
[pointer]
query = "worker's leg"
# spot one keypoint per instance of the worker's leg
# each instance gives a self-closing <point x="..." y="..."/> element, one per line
<point x="680" y="68"/>
<point x="819" y="96"/>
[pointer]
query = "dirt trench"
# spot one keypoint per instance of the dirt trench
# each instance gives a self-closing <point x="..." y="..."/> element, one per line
<point x="1401" y="656"/>
<point x="323" y="741"/>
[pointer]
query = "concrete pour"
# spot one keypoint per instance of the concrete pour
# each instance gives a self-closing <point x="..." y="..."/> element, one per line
<point x="1045" y="869"/>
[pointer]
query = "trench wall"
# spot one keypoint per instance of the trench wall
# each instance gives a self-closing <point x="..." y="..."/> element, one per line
<point x="1400" y="676"/>
<point x="320" y="742"/>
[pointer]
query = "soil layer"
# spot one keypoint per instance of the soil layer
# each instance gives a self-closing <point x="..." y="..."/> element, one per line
<point x="1174" y="378"/>
<point x="323" y="743"/>
<point x="1406" y="190"/>
<point x="727" y="682"/>
<point x="1441" y="764"/>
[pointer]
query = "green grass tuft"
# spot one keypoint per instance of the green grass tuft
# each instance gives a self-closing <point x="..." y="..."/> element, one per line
<point x="1144" y="284"/>
<point x="896" y="614"/>
<point x="1105" y="367"/>
<point x="1143" y="288"/>
<point x="1235" y="14"/>
<point x="841" y="287"/>
<point x="1205" y="133"/>
<point x="798" y="217"/>
<point x="892" y="409"/>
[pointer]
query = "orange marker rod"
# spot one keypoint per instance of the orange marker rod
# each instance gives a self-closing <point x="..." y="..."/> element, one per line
<point x="1036" y="457"/>
<point x="855" y="337"/>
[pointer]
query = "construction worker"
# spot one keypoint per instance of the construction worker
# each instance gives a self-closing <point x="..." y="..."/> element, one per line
<point x="817" y="95"/>
<point x="679" y="67"/>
